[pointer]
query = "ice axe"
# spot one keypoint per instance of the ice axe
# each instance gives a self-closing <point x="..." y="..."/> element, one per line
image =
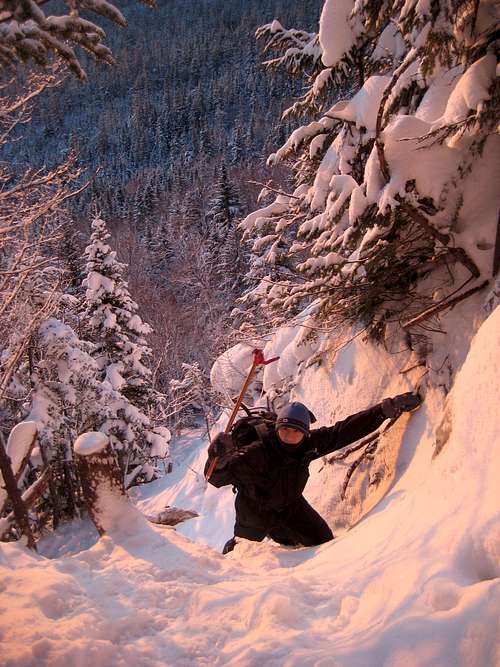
<point x="258" y="360"/>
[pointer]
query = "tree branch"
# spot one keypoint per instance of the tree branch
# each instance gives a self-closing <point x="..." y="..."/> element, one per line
<point x="433" y="310"/>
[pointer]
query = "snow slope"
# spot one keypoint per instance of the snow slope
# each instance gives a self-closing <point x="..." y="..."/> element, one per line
<point x="414" y="584"/>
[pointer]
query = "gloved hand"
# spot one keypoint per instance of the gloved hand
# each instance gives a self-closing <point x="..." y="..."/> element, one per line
<point x="393" y="407"/>
<point x="221" y="444"/>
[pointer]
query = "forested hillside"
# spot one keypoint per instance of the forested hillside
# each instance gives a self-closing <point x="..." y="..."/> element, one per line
<point x="187" y="98"/>
<point x="187" y="93"/>
<point x="124" y="182"/>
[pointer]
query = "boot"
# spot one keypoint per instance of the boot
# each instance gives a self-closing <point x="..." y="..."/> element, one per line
<point x="229" y="546"/>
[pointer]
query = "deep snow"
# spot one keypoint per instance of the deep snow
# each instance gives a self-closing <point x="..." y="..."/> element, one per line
<point x="415" y="583"/>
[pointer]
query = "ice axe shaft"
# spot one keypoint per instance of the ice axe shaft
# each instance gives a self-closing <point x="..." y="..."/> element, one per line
<point x="258" y="360"/>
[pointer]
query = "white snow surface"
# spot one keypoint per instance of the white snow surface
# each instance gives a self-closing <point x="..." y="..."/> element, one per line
<point x="20" y="440"/>
<point x="337" y="31"/>
<point x="90" y="443"/>
<point x="415" y="583"/>
<point x="362" y="109"/>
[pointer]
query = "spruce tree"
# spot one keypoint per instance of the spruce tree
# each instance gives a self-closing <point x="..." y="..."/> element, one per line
<point x="27" y="33"/>
<point x="401" y="100"/>
<point x="224" y="207"/>
<point x="222" y="244"/>
<point x="121" y="350"/>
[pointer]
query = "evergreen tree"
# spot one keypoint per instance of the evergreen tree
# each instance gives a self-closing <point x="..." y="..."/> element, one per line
<point x="70" y="255"/>
<point x="192" y="211"/>
<point x="378" y="178"/>
<point x="223" y="208"/>
<point x="121" y="350"/>
<point x="161" y="246"/>
<point x="67" y="398"/>
<point x="235" y="145"/>
<point x="222" y="243"/>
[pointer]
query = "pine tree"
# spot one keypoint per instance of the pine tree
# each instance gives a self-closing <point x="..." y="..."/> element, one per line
<point x="121" y="349"/>
<point x="224" y="207"/>
<point x="235" y="145"/>
<point x="222" y="242"/>
<point x="161" y="246"/>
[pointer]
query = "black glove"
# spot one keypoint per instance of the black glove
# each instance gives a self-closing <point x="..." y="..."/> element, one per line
<point x="393" y="407"/>
<point x="222" y="444"/>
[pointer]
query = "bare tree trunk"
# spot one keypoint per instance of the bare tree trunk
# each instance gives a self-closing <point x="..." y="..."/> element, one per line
<point x="18" y="506"/>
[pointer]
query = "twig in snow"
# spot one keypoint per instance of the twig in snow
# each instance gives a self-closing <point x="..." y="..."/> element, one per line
<point x="442" y="306"/>
<point x="268" y="187"/>
<point x="365" y="455"/>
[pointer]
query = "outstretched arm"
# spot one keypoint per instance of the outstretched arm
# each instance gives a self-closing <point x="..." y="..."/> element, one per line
<point x="330" y="438"/>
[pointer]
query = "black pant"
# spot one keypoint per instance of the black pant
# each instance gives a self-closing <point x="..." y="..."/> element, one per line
<point x="297" y="524"/>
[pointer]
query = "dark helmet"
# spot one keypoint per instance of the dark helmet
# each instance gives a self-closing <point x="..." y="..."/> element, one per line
<point x="295" y="415"/>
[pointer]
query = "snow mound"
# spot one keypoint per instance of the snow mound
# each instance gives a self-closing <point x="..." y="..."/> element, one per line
<point x="91" y="443"/>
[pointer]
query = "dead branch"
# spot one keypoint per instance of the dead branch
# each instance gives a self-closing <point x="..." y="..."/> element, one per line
<point x="268" y="187"/>
<point x="368" y="452"/>
<point x="407" y="370"/>
<point x="30" y="496"/>
<point x="370" y="443"/>
<point x="422" y="221"/>
<point x="348" y="451"/>
<point x="433" y="310"/>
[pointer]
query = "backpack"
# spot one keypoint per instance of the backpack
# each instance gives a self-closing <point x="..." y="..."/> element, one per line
<point x="255" y="426"/>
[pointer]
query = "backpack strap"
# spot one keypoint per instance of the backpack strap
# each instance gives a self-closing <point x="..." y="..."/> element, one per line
<point x="263" y="432"/>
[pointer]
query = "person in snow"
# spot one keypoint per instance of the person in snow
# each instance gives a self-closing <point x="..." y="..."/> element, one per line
<point x="270" y="473"/>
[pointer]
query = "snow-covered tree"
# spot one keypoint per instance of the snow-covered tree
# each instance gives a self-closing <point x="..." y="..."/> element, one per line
<point x="224" y="207"/>
<point x="27" y="33"/>
<point x="403" y="99"/>
<point x="66" y="399"/>
<point x="161" y="246"/>
<point x="121" y="350"/>
<point x="190" y="396"/>
<point x="31" y="204"/>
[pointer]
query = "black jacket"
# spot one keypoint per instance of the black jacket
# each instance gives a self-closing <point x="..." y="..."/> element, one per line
<point x="273" y="479"/>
